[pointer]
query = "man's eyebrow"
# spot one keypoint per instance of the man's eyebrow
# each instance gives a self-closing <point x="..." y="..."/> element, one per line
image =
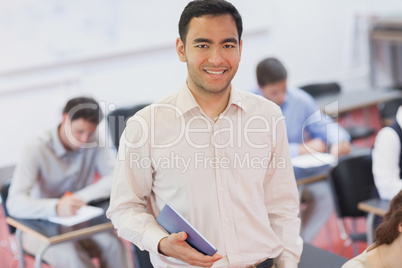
<point x="209" y="41"/>
<point x="229" y="40"/>
<point x="202" y="40"/>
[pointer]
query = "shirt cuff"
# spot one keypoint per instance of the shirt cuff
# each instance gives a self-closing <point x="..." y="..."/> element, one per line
<point x="294" y="149"/>
<point x="152" y="238"/>
<point x="52" y="203"/>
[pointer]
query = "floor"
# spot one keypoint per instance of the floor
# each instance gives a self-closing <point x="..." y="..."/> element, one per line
<point x="328" y="239"/>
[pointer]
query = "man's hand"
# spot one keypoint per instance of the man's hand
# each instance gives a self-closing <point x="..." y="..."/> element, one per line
<point x="68" y="205"/>
<point x="340" y="149"/>
<point x="175" y="246"/>
<point x="312" y="146"/>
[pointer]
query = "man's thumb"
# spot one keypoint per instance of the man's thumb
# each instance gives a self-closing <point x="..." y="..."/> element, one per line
<point x="183" y="235"/>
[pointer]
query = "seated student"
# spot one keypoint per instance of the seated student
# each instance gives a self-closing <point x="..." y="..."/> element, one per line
<point x="304" y="119"/>
<point x="387" y="159"/>
<point x="61" y="160"/>
<point x="300" y="111"/>
<point x="387" y="250"/>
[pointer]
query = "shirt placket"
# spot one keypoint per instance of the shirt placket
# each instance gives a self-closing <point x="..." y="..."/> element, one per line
<point x="225" y="209"/>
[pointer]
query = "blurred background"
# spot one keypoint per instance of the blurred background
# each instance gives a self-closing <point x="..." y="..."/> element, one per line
<point x="122" y="52"/>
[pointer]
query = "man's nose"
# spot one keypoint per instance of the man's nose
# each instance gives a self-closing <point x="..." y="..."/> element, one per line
<point x="216" y="56"/>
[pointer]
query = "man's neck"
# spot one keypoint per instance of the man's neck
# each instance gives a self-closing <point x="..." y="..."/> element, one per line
<point x="213" y="104"/>
<point x="63" y="137"/>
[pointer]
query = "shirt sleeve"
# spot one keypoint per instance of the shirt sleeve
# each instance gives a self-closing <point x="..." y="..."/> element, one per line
<point x="104" y="165"/>
<point x="19" y="203"/>
<point x="132" y="185"/>
<point x="282" y="202"/>
<point x="386" y="155"/>
<point x="321" y="125"/>
<point x="294" y="149"/>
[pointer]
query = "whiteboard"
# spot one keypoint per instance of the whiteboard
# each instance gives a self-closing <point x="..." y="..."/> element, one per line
<point x="44" y="32"/>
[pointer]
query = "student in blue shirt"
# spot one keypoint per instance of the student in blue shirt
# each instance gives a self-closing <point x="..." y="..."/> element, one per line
<point x="309" y="131"/>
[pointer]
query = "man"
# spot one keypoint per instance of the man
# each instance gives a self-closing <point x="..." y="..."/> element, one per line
<point x="218" y="156"/>
<point x="309" y="131"/>
<point x="387" y="163"/>
<point x="55" y="176"/>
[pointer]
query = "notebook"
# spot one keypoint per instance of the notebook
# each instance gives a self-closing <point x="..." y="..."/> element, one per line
<point x="173" y="222"/>
<point x="83" y="214"/>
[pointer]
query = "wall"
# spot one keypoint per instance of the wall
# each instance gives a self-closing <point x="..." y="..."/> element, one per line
<point x="318" y="40"/>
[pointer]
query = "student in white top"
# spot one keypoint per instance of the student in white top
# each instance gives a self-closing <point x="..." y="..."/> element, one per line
<point x="387" y="159"/>
<point x="386" y="252"/>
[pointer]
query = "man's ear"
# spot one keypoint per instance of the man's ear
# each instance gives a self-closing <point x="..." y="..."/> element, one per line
<point x="180" y="50"/>
<point x="64" y="118"/>
<point x="240" y="47"/>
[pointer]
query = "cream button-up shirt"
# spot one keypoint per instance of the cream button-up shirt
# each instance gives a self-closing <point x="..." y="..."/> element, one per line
<point x="231" y="179"/>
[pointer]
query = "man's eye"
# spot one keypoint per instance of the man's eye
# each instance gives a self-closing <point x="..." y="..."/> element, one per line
<point x="229" y="46"/>
<point x="202" y="46"/>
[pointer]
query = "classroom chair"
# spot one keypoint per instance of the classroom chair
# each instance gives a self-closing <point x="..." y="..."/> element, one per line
<point x="351" y="182"/>
<point x="324" y="89"/>
<point x="141" y="258"/>
<point x="117" y="121"/>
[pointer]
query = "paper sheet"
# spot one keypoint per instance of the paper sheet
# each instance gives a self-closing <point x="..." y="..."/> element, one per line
<point x="313" y="160"/>
<point x="83" y="214"/>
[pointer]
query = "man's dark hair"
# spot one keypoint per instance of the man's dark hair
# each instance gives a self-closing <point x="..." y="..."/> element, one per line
<point x="85" y="108"/>
<point x="269" y="71"/>
<point x="198" y="8"/>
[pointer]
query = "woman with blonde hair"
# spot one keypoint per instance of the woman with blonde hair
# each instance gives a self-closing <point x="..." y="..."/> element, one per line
<point x="386" y="252"/>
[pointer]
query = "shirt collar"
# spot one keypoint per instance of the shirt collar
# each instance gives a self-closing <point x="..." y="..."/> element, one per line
<point x="237" y="99"/>
<point x="288" y="96"/>
<point x="186" y="101"/>
<point x="56" y="142"/>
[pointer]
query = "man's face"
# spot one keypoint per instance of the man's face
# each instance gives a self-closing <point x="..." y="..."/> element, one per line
<point x="77" y="132"/>
<point x="275" y="92"/>
<point x="212" y="53"/>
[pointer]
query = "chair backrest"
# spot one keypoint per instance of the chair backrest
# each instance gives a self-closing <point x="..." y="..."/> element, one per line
<point x="352" y="181"/>
<point x="141" y="258"/>
<point x="388" y="110"/>
<point x="318" y="90"/>
<point x="4" y="194"/>
<point x="117" y="121"/>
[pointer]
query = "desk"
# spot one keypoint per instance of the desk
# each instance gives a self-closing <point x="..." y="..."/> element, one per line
<point x="310" y="174"/>
<point x="53" y="233"/>
<point x="311" y="179"/>
<point x="355" y="100"/>
<point x="316" y="257"/>
<point x="358" y="108"/>
<point x="374" y="206"/>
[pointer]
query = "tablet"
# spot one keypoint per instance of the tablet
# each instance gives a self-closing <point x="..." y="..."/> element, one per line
<point x="173" y="222"/>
